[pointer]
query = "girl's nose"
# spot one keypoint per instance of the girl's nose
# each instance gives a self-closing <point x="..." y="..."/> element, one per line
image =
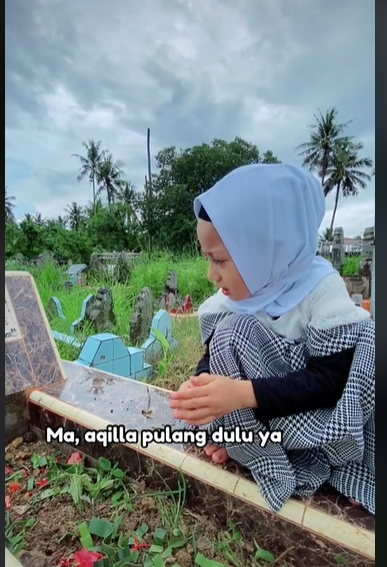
<point x="212" y="275"/>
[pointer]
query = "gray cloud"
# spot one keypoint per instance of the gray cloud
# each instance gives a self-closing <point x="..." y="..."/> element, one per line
<point x="190" y="71"/>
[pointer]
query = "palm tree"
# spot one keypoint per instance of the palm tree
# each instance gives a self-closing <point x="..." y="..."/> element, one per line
<point x="345" y="175"/>
<point x="61" y="221"/>
<point x="320" y="149"/>
<point x="28" y="217"/>
<point x="326" y="236"/>
<point x="325" y="240"/>
<point x="109" y="176"/>
<point x="40" y="220"/>
<point x="9" y="206"/>
<point x="128" y="196"/>
<point x="74" y="216"/>
<point x="90" y="163"/>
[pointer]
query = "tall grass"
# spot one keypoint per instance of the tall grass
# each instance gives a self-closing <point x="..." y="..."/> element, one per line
<point x="351" y="266"/>
<point x="192" y="280"/>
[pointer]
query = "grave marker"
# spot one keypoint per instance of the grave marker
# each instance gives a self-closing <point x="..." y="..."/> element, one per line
<point x="141" y="319"/>
<point x="31" y="356"/>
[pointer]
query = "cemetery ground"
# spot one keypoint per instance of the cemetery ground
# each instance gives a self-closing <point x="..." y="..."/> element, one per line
<point x="57" y="504"/>
<point x="192" y="280"/>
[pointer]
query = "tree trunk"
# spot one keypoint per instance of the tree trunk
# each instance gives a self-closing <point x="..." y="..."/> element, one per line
<point x="335" y="207"/>
<point x="94" y="195"/>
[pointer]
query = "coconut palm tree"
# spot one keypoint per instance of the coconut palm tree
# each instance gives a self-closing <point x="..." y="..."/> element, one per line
<point x="326" y="236"/>
<point x="40" y="220"/>
<point x="74" y="216"/>
<point x="128" y="196"/>
<point x="326" y="135"/>
<point x="90" y="163"/>
<point x="9" y="206"/>
<point x="345" y="175"/>
<point x="109" y="176"/>
<point x="325" y="241"/>
<point x="28" y="217"/>
<point x="61" y="221"/>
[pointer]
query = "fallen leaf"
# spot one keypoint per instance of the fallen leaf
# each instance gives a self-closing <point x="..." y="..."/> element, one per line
<point x="14" y="487"/>
<point x="7" y="470"/>
<point x="21" y="509"/>
<point x="41" y="483"/>
<point x="7" y="502"/>
<point x="86" y="558"/>
<point x="74" y="459"/>
<point x="15" y="443"/>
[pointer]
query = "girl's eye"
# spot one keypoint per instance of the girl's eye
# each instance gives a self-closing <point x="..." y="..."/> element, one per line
<point x="218" y="262"/>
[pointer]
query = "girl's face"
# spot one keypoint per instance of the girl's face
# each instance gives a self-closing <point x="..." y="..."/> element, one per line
<point x="222" y="270"/>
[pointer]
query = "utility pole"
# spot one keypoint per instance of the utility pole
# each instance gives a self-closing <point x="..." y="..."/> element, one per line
<point x="149" y="191"/>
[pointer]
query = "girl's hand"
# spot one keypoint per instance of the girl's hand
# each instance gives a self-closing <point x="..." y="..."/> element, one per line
<point x="185" y="386"/>
<point x="206" y="397"/>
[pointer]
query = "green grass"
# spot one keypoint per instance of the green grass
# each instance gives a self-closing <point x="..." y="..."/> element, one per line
<point x="81" y="485"/>
<point x="152" y="273"/>
<point x="351" y="266"/>
<point x="192" y="280"/>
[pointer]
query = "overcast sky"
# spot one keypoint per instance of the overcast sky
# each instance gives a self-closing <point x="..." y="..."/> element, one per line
<point x="191" y="71"/>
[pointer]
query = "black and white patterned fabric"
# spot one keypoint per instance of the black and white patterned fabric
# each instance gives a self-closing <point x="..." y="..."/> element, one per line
<point x="335" y="446"/>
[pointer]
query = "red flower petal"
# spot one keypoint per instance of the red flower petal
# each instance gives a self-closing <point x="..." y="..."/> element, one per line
<point x="7" y="502"/>
<point x="86" y="558"/>
<point x="14" y="487"/>
<point x="74" y="459"/>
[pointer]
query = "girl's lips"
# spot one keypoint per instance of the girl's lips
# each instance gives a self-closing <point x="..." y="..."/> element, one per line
<point x="225" y="291"/>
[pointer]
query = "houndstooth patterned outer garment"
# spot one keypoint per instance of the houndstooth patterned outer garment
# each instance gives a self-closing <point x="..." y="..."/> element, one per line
<point x="336" y="445"/>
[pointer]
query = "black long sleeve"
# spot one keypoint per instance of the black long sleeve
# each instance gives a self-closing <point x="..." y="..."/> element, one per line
<point x="319" y="385"/>
<point x="204" y="363"/>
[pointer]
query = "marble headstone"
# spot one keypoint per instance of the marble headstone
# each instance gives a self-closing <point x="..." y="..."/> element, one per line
<point x="31" y="356"/>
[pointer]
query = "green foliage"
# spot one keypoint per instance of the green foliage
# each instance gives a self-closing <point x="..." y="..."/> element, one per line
<point x="351" y="266"/>
<point x="161" y="217"/>
<point x="163" y="214"/>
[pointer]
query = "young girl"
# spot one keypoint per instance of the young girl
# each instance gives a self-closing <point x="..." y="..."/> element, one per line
<point x="286" y="348"/>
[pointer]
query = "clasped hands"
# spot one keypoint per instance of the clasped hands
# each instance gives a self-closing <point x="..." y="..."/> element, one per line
<point x="201" y="399"/>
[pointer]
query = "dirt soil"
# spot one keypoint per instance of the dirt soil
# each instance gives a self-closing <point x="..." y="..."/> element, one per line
<point x="54" y="538"/>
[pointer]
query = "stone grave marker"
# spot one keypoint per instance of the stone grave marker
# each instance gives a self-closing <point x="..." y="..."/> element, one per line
<point x="100" y="311"/>
<point x="357" y="298"/>
<point x="31" y="356"/>
<point x="367" y="251"/>
<point x="141" y="319"/>
<point x="338" y="247"/>
<point x="170" y="294"/>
